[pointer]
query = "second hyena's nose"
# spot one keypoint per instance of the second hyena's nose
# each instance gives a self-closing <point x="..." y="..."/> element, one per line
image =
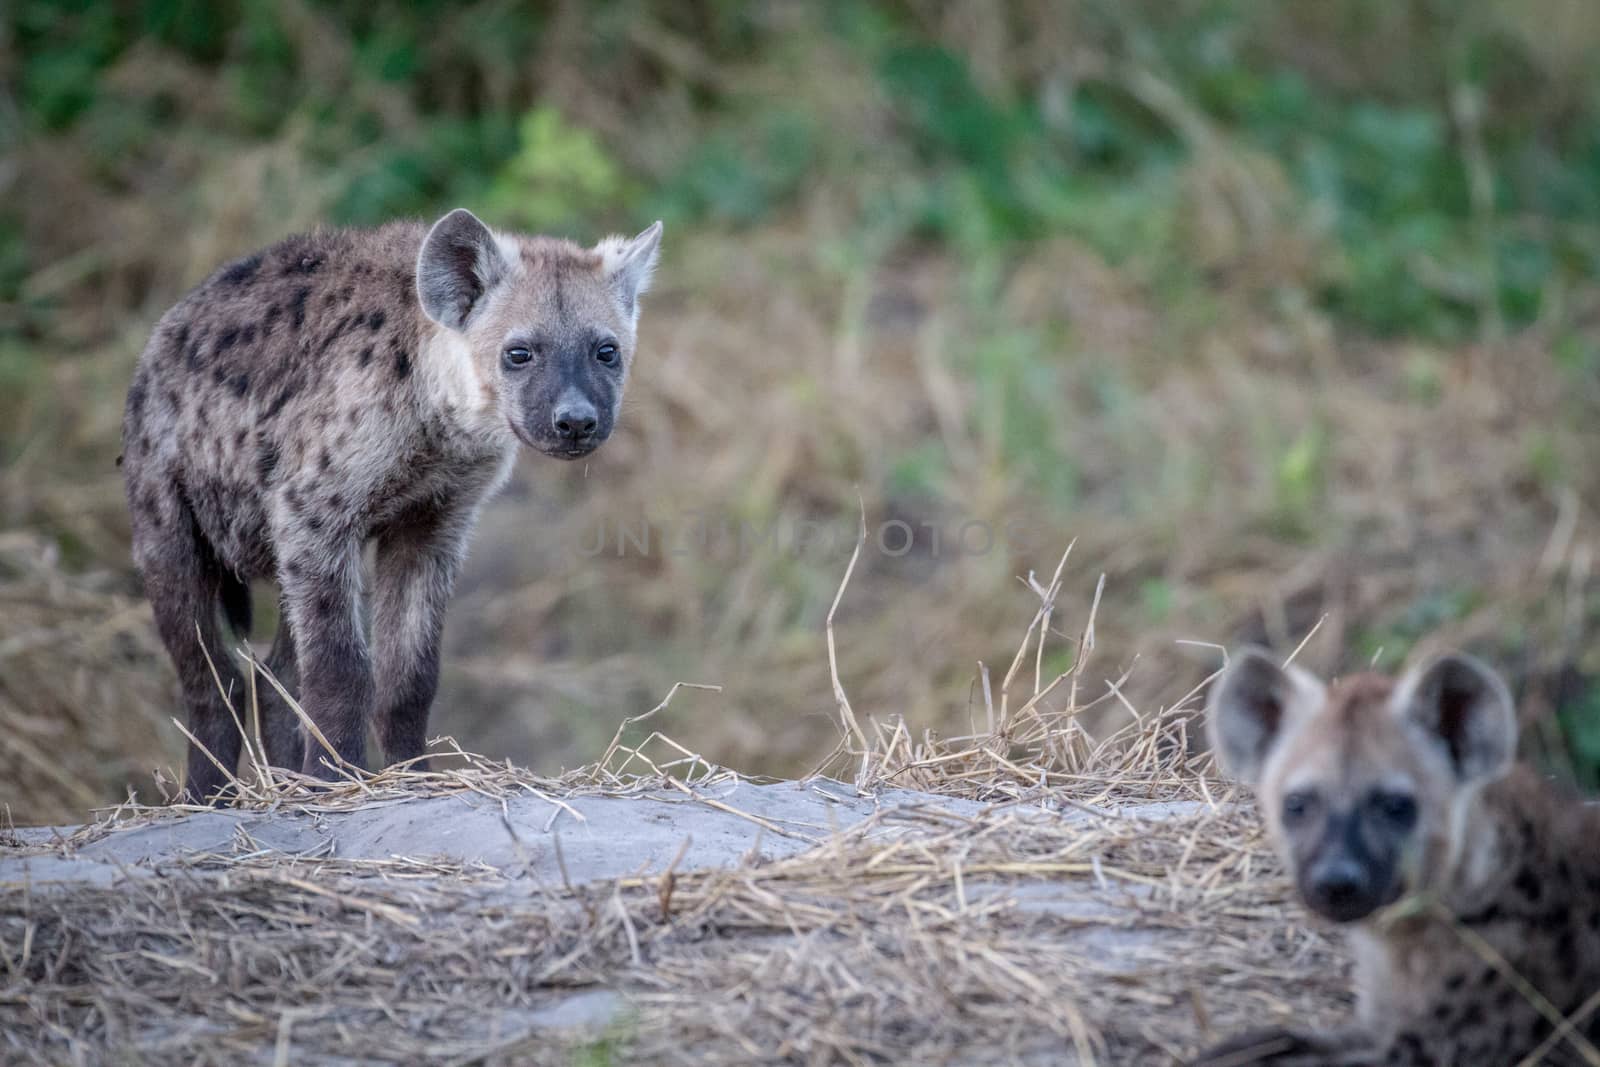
<point x="1340" y="891"/>
<point x="1338" y="885"/>
<point x="575" y="421"/>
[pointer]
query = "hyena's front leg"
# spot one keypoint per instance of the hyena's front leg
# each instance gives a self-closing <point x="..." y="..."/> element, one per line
<point x="281" y="731"/>
<point x="322" y="592"/>
<point x="417" y="565"/>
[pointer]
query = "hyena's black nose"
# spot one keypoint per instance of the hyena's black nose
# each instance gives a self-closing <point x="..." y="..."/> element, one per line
<point x="1339" y="890"/>
<point x="576" y="420"/>
<point x="1338" y="885"/>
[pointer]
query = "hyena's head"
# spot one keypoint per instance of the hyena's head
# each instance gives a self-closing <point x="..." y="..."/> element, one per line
<point x="547" y="327"/>
<point x="1365" y="784"/>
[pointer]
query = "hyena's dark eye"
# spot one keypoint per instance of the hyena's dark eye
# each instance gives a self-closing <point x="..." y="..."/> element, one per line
<point x="1296" y="806"/>
<point x="1397" y="808"/>
<point x="606" y="353"/>
<point x="518" y="356"/>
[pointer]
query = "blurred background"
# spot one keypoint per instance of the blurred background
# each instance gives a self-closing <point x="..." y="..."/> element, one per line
<point x="1279" y="311"/>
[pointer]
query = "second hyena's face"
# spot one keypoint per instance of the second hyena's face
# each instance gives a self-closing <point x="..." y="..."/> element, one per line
<point x="548" y="327"/>
<point x="1363" y="783"/>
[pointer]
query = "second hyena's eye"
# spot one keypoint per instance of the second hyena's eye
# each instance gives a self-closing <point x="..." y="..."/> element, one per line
<point x="1298" y="805"/>
<point x="518" y="356"/>
<point x="1398" y="808"/>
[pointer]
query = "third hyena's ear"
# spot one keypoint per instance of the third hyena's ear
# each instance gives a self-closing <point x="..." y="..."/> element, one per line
<point x="1249" y="707"/>
<point x="629" y="264"/>
<point x="460" y="261"/>
<point x="1463" y="705"/>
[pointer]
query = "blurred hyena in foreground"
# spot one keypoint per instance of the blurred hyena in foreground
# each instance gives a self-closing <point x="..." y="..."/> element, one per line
<point x="351" y="386"/>
<point x="1472" y="886"/>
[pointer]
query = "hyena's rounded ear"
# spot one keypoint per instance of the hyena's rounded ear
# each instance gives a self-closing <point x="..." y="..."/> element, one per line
<point x="1464" y="706"/>
<point x="460" y="261"/>
<point x="629" y="264"/>
<point x="1250" y="705"/>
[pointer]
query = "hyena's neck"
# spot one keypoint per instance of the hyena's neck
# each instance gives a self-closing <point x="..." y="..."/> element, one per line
<point x="1484" y="852"/>
<point x="452" y="397"/>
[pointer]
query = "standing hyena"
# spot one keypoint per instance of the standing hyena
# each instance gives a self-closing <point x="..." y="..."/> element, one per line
<point x="1471" y="886"/>
<point x="351" y="386"/>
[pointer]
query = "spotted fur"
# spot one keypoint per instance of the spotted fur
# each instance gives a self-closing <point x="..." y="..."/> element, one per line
<point x="346" y="387"/>
<point x="1399" y="812"/>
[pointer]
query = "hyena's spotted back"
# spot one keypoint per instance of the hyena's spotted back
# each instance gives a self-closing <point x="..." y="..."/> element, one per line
<point x="271" y="368"/>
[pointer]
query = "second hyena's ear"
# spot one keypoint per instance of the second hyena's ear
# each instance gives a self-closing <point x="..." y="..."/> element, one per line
<point x="460" y="261"/>
<point x="629" y="264"/>
<point x="1463" y="705"/>
<point x="1249" y="707"/>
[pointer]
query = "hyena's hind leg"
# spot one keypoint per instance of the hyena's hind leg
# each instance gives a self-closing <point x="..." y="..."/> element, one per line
<point x="281" y="731"/>
<point x="183" y="581"/>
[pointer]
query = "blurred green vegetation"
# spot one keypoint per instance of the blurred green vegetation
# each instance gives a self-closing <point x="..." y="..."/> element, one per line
<point x="1383" y="161"/>
<point x="1423" y="174"/>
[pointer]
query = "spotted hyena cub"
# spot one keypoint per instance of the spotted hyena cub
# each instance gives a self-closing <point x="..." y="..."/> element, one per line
<point x="1471" y="887"/>
<point x="344" y="387"/>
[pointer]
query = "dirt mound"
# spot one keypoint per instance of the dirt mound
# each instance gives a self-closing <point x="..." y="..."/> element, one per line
<point x="1029" y="893"/>
<point x="718" y="920"/>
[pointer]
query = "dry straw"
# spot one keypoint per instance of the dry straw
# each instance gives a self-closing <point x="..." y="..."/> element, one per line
<point x="1104" y="901"/>
<point x="897" y="939"/>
